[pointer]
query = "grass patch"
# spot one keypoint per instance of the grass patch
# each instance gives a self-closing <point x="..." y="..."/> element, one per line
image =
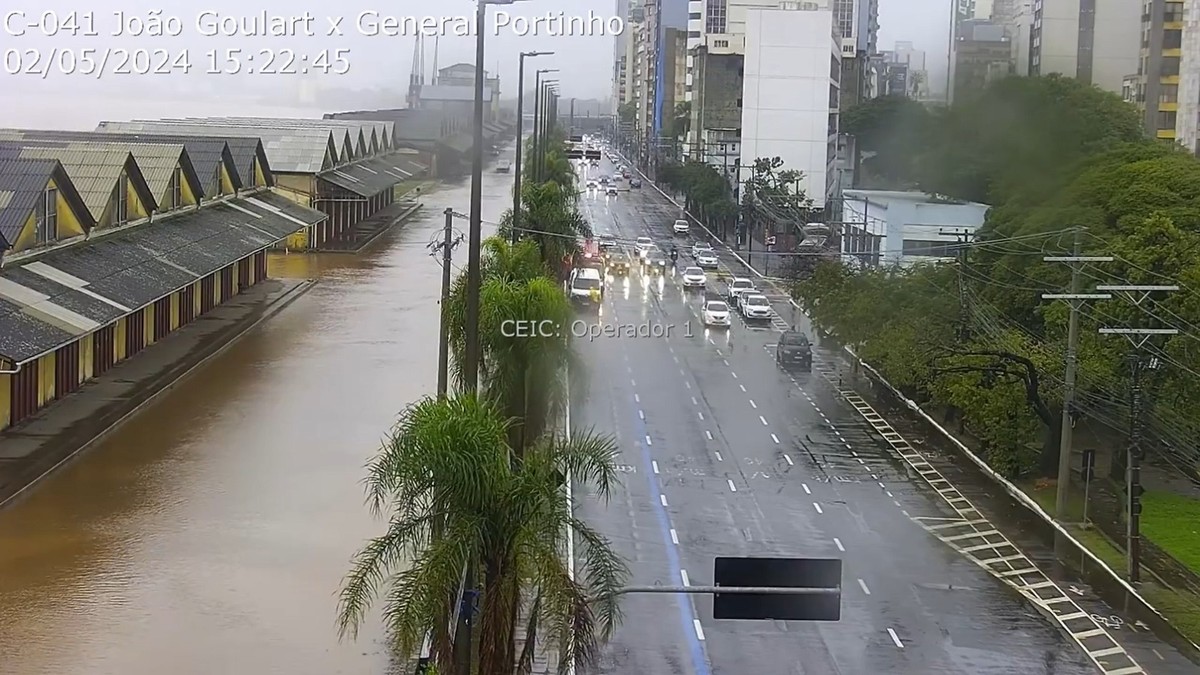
<point x="1172" y="522"/>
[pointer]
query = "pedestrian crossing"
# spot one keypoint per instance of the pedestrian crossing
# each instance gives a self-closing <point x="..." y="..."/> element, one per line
<point x="976" y="538"/>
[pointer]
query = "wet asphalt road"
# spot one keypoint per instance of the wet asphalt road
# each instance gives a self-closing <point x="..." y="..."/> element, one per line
<point x="210" y="533"/>
<point x="725" y="454"/>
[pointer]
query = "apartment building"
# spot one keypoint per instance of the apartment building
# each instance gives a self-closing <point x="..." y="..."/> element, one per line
<point x="622" y="43"/>
<point x="1093" y="40"/>
<point x="790" y="94"/>
<point x="1166" y="87"/>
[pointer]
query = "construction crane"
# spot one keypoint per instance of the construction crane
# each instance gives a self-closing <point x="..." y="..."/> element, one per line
<point x="416" y="78"/>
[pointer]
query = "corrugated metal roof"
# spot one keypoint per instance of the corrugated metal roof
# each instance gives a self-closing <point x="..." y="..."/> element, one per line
<point x="206" y="154"/>
<point x="347" y="138"/>
<point x="157" y="161"/>
<point x="22" y="182"/>
<point x="381" y="130"/>
<point x="94" y="171"/>
<point x="64" y="294"/>
<point x="365" y="178"/>
<point x="290" y="150"/>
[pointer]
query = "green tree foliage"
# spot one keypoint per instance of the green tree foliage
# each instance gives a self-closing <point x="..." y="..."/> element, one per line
<point x="705" y="190"/>
<point x="627" y="112"/>
<point x="1051" y="155"/>
<point x="446" y="482"/>
<point x="681" y="120"/>
<point x="892" y="132"/>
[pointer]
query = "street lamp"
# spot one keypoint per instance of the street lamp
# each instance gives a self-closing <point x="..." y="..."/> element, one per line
<point x="516" y="210"/>
<point x="537" y="107"/>
<point x="549" y="97"/>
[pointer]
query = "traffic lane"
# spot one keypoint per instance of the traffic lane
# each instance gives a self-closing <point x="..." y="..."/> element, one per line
<point x="633" y="523"/>
<point x="939" y="605"/>
<point x="710" y="521"/>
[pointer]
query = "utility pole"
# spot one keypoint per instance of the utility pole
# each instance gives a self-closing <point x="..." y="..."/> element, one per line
<point x="1075" y="299"/>
<point x="964" y="237"/>
<point x="446" y="248"/>
<point x="1138" y="337"/>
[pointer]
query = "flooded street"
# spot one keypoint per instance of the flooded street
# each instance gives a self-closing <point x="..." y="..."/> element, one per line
<point x="210" y="533"/>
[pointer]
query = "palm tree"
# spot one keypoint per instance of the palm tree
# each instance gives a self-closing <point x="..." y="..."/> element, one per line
<point x="453" y="496"/>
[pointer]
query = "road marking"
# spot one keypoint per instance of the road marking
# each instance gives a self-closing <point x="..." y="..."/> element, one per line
<point x="662" y="499"/>
<point x="687" y="385"/>
<point x="676" y="359"/>
<point x="863" y="585"/>
<point x="753" y="404"/>
<point x="648" y="441"/>
<point x="708" y="434"/>
<point x="734" y="374"/>
<point x="889" y="493"/>
<point x="674" y="537"/>
<point x="836" y="542"/>
<point x="895" y="638"/>
<point x="641" y="414"/>
<point x="775" y="438"/>
<point x="806" y="490"/>
<point x="637" y="399"/>
<point x="701" y="416"/>
<point x="633" y="382"/>
<point x="732" y="487"/>
<point x="654" y="464"/>
<point x="694" y="401"/>
<point x="817" y="507"/>
<point x="881" y="484"/>
<point x="699" y="630"/>
<point x="789" y="460"/>
<point x="720" y="458"/>
<point x="683" y="575"/>
<point x="764" y="420"/>
<point x="683" y="372"/>
<point x="743" y="387"/>
<point x="726" y="361"/>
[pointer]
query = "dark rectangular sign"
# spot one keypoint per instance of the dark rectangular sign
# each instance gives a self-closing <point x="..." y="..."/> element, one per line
<point x="778" y="573"/>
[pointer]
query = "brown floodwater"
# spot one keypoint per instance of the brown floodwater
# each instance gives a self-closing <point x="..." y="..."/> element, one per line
<point x="210" y="533"/>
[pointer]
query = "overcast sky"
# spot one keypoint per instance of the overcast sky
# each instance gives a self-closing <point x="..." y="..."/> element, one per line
<point x="377" y="67"/>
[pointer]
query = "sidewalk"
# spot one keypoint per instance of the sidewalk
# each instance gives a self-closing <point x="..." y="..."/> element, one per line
<point x="364" y="233"/>
<point x="35" y="448"/>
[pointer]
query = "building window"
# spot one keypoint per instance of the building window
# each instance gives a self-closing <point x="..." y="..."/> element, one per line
<point x="717" y="16"/>
<point x="693" y="16"/>
<point x="121" y="203"/>
<point x="1169" y="66"/>
<point x="1172" y="38"/>
<point x="1173" y="12"/>
<point x="720" y="43"/>
<point x="1168" y="93"/>
<point x="693" y="33"/>
<point x="47" y="217"/>
<point x="1166" y="119"/>
<point x="176" y="188"/>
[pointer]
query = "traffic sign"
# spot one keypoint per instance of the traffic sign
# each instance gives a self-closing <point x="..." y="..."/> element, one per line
<point x="779" y="573"/>
<point x="771" y="240"/>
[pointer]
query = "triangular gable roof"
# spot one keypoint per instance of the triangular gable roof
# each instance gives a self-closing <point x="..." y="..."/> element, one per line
<point x="350" y="145"/>
<point x="157" y="161"/>
<point x="290" y="150"/>
<point x="22" y="184"/>
<point x="94" y="171"/>
<point x="365" y="128"/>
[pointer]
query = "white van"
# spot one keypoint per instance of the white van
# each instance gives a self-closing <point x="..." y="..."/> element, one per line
<point x="585" y="286"/>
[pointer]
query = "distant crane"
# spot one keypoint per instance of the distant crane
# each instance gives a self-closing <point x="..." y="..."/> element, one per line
<point x="416" y="78"/>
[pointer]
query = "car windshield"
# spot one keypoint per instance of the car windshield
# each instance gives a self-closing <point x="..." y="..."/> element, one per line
<point x="584" y="284"/>
<point x="742" y="284"/>
<point x="644" y="241"/>
<point x="756" y="300"/>
<point x="794" y="339"/>
<point x="718" y="307"/>
<point x="694" y="271"/>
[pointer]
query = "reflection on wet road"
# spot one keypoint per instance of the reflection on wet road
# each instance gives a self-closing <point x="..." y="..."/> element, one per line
<point x="727" y="455"/>
<point x="209" y="534"/>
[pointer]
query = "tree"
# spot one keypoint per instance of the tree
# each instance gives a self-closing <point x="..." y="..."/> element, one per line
<point x="891" y="132"/>
<point x="681" y="120"/>
<point x="446" y="481"/>
<point x="627" y="112"/>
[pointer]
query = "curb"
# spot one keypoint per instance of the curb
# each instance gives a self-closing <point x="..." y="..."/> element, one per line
<point x="1012" y="490"/>
<point x="275" y="307"/>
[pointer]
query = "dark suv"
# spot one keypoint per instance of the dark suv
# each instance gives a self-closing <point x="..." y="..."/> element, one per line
<point x="794" y="349"/>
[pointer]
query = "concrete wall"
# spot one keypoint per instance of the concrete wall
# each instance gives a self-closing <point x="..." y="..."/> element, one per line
<point x="1117" y="42"/>
<point x="1060" y="37"/>
<point x="897" y="217"/>
<point x="786" y="92"/>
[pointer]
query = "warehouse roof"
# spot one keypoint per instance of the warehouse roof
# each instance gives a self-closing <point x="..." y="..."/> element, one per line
<point x="64" y="294"/>
<point x="94" y="171"/>
<point x="206" y="154"/>
<point x="156" y="160"/>
<point x="350" y="145"/>
<point x="381" y="131"/>
<point x="22" y="183"/>
<point x="290" y="150"/>
<point x="369" y="177"/>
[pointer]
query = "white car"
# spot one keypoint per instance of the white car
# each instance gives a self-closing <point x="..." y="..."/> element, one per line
<point x="716" y="313"/>
<point x="700" y="247"/>
<point x="754" y="306"/>
<point x="694" y="277"/>
<point x="592" y="185"/>
<point x="643" y="243"/>
<point x="707" y="259"/>
<point x="585" y="286"/>
<point x="739" y="286"/>
<point x="649" y="251"/>
<point x="681" y="227"/>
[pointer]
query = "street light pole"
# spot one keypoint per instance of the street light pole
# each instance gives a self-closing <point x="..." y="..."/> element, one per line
<point x="516" y="210"/>
<point x="546" y="126"/>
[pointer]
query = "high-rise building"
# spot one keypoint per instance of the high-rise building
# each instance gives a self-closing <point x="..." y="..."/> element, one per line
<point x="1166" y="88"/>
<point x="1095" y="41"/>
<point x="621" y="43"/>
<point x="790" y="93"/>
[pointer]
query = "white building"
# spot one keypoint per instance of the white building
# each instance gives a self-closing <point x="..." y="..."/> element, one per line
<point x="882" y="227"/>
<point x="792" y="68"/>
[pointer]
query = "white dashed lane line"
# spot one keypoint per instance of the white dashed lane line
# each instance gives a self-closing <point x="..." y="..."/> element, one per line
<point x="648" y="441"/>
<point x="732" y="487"/>
<point x="817" y="507"/>
<point x="654" y="463"/>
<point x="708" y="434"/>
<point x="836" y="542"/>
<point x="701" y="415"/>
<point x="753" y="404"/>
<point x="775" y="438"/>
<point x="694" y="401"/>
<point x="788" y="459"/>
<point x="806" y="490"/>
<point x="734" y="374"/>
<point x="763" y="420"/>
<point x="863" y="585"/>
<point x="683" y="576"/>
<point x="895" y="638"/>
<point x="637" y="399"/>
<point x="719" y="457"/>
<point x="642" y="414"/>
<point x="662" y="499"/>
<point x="699" y="630"/>
<point x="675" y="537"/>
